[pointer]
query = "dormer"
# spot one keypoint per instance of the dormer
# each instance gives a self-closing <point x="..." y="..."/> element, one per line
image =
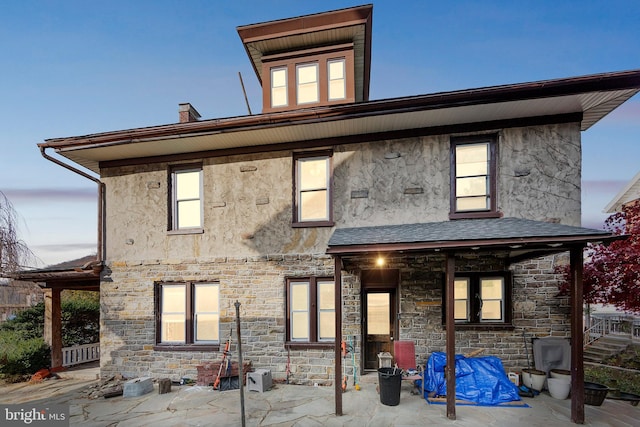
<point x="313" y="60"/>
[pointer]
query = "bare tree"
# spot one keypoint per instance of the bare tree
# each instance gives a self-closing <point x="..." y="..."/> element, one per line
<point x="14" y="253"/>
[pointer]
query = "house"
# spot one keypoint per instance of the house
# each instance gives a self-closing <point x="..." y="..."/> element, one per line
<point x="435" y="218"/>
<point x="627" y="196"/>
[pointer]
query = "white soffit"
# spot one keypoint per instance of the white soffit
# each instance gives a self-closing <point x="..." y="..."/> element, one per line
<point x="594" y="105"/>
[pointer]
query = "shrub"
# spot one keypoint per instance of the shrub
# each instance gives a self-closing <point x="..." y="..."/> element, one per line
<point x="20" y="356"/>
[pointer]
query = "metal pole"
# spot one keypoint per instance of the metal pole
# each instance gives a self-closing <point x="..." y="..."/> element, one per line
<point x="240" y="370"/>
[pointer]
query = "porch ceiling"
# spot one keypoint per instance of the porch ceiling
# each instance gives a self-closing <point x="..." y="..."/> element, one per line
<point x="521" y="238"/>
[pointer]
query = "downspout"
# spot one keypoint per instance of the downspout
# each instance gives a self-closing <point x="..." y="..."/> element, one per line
<point x="101" y="202"/>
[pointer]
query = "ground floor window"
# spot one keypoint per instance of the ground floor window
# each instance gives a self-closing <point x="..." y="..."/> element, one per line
<point x="310" y="310"/>
<point x="187" y="313"/>
<point x="481" y="298"/>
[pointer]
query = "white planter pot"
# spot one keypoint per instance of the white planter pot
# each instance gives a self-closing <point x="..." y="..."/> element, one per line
<point x="559" y="388"/>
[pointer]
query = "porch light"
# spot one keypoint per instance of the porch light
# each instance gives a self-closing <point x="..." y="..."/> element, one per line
<point x="380" y="261"/>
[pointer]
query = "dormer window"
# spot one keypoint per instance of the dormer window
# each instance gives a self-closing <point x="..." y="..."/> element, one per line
<point x="279" y="87"/>
<point x="337" y="82"/>
<point x="310" y="78"/>
<point x="307" y="84"/>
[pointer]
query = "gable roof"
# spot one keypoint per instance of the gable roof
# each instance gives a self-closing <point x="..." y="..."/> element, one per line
<point x="515" y="234"/>
<point x="584" y="99"/>
<point x="630" y="192"/>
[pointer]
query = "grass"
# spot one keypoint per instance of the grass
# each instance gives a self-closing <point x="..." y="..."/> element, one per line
<point x="621" y="372"/>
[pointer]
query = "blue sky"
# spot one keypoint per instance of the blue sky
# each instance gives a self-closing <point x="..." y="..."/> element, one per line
<point x="80" y="67"/>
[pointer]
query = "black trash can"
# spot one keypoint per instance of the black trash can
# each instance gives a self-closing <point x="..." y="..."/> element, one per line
<point x="390" y="381"/>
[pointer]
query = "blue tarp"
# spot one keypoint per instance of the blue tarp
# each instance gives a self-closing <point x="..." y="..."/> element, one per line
<point x="478" y="379"/>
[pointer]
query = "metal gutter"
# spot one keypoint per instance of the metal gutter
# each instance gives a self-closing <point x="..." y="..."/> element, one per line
<point x="101" y="199"/>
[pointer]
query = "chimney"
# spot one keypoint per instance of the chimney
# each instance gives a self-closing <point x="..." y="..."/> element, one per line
<point x="187" y="113"/>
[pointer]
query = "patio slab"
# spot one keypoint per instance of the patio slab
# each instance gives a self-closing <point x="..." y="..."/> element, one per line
<point x="298" y="406"/>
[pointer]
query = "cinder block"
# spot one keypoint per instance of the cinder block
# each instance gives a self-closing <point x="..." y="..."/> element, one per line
<point x="164" y="386"/>
<point x="138" y="387"/>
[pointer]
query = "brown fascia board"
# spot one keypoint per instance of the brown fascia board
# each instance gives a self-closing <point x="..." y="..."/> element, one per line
<point x="486" y="95"/>
<point x="307" y="24"/>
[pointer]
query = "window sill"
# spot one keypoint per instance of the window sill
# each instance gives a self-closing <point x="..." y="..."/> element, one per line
<point x="312" y="224"/>
<point x="474" y="215"/>
<point x="186" y="231"/>
<point x="484" y="326"/>
<point x="308" y="345"/>
<point x="187" y="347"/>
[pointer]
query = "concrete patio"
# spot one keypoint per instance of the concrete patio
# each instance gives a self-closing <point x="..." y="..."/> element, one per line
<point x="292" y="405"/>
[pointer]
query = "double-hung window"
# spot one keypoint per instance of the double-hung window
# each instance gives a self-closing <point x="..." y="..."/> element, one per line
<point x="482" y="298"/>
<point x="279" y="87"/>
<point x="187" y="314"/>
<point x="310" y="310"/>
<point x="186" y="197"/>
<point x="473" y="177"/>
<point x="312" y="183"/>
<point x="337" y="82"/>
<point x="307" y="83"/>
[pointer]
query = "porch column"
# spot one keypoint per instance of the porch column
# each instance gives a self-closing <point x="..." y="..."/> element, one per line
<point x="450" y="370"/>
<point x="337" y="275"/>
<point x="577" y="335"/>
<point x="53" y="324"/>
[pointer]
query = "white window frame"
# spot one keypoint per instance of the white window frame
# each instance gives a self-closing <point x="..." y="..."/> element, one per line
<point x="176" y="201"/>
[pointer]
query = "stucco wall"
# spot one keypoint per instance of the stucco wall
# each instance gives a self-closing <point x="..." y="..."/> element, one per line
<point x="247" y="199"/>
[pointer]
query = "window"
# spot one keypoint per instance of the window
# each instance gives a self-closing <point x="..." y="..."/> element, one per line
<point x="279" y="87"/>
<point x="187" y="314"/>
<point x="337" y="82"/>
<point x="307" y="82"/>
<point x="186" y="198"/>
<point x="481" y="298"/>
<point x="310" y="310"/>
<point x="312" y="204"/>
<point x="308" y="78"/>
<point x="473" y="177"/>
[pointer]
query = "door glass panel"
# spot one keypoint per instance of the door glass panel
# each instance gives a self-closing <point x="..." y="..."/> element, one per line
<point x="378" y="314"/>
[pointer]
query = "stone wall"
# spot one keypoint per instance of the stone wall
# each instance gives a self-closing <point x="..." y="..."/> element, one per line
<point x="538" y="310"/>
<point x="127" y="335"/>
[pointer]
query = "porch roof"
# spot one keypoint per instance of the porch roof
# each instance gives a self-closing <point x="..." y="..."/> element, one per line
<point x="79" y="274"/>
<point x="519" y="236"/>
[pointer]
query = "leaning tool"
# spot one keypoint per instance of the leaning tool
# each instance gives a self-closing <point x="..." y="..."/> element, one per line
<point x="225" y="353"/>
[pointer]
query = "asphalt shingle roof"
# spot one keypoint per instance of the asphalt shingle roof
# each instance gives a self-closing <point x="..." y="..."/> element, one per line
<point x="459" y="230"/>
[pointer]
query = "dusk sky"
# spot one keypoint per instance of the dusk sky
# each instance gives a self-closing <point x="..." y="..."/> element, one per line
<point x="81" y="67"/>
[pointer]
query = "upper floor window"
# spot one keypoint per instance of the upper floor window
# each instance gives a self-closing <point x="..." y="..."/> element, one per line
<point x="312" y="77"/>
<point x="279" y="87"/>
<point x="312" y="204"/>
<point x="482" y="298"/>
<point x="337" y="82"/>
<point x="473" y="177"/>
<point x="310" y="310"/>
<point x="307" y="83"/>
<point x="187" y="314"/>
<point x="186" y="197"/>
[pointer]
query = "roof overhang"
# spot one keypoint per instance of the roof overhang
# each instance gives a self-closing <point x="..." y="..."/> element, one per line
<point x="352" y="25"/>
<point x="85" y="277"/>
<point x="520" y="238"/>
<point x="585" y="99"/>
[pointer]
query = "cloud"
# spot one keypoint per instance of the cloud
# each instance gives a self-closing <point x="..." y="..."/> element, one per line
<point x="51" y="194"/>
<point x="603" y="186"/>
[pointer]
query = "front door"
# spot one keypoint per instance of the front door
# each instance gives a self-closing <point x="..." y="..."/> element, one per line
<point x="379" y="318"/>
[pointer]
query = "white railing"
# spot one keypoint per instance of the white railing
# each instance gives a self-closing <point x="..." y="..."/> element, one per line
<point x="612" y="324"/>
<point x="80" y="354"/>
